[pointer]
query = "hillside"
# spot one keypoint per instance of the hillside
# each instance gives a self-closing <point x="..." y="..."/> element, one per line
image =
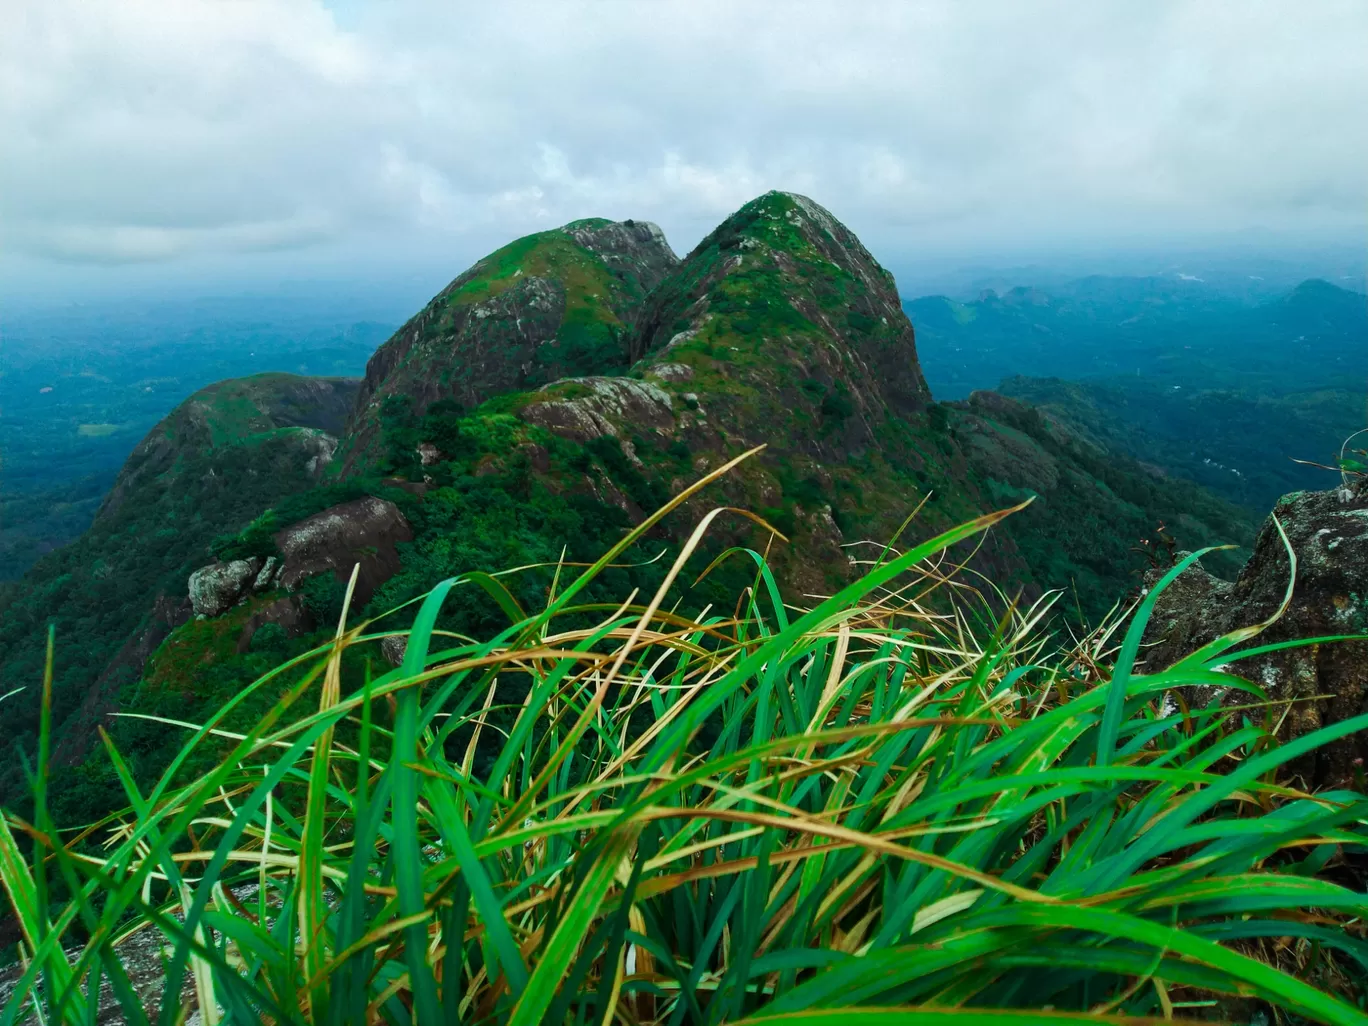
<point x="220" y="457"/>
<point x="485" y="438"/>
<point x="83" y="383"/>
<point x="1242" y="445"/>
<point x="543" y="307"/>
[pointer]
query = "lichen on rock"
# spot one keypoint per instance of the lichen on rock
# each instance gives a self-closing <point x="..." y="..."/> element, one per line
<point x="610" y="404"/>
<point x="216" y="588"/>
<point x="1312" y="685"/>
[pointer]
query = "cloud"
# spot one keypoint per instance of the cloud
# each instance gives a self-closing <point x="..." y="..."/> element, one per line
<point x="147" y="130"/>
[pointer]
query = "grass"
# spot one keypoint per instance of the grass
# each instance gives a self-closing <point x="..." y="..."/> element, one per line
<point x="893" y="807"/>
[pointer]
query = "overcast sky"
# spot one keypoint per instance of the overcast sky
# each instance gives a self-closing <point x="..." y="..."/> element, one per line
<point x="174" y="142"/>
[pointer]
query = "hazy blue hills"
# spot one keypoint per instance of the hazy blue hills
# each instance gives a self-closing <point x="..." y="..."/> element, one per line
<point x="1205" y="383"/>
<point x="1175" y="330"/>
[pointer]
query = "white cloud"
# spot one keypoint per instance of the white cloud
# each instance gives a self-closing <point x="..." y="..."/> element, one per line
<point x="160" y="129"/>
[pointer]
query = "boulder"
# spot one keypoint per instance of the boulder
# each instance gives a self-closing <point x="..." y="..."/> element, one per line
<point x="365" y="531"/>
<point x="1317" y="685"/>
<point x="216" y="588"/>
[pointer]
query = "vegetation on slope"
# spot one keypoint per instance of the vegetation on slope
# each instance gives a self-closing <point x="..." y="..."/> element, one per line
<point x="221" y="457"/>
<point x="656" y="811"/>
<point x="1241" y="445"/>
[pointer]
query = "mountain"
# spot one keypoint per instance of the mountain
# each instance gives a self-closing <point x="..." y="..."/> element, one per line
<point x="554" y="394"/>
<point x="217" y="460"/>
<point x="81" y="385"/>
<point x="1175" y="331"/>
<point x="547" y="306"/>
<point x="1242" y="445"/>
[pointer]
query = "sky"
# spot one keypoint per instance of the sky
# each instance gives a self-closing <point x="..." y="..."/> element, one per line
<point x="179" y="146"/>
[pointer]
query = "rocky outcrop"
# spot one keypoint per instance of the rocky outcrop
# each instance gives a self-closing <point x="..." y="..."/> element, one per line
<point x="364" y="531"/>
<point x="217" y="588"/>
<point x="610" y="402"/>
<point x="1311" y="686"/>
<point x="548" y="306"/>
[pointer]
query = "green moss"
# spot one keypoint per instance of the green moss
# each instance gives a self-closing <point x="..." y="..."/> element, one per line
<point x="193" y="646"/>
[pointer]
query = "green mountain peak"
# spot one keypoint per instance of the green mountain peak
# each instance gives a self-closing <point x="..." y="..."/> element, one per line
<point x="554" y="304"/>
<point x="290" y="411"/>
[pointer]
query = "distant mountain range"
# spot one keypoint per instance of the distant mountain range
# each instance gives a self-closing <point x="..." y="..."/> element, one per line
<point x="1177" y="332"/>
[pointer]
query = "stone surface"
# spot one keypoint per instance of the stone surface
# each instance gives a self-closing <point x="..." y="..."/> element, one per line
<point x="270" y="573"/>
<point x="393" y="648"/>
<point x="364" y="531"/>
<point x="216" y="588"/>
<point x="1326" y="683"/>
<point x="610" y="402"/>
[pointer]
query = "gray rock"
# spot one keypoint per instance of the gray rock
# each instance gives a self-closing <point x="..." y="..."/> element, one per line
<point x="363" y="531"/>
<point x="393" y="648"/>
<point x="671" y="371"/>
<point x="269" y="573"/>
<point x="610" y="402"/>
<point x="1328" y="531"/>
<point x="216" y="588"/>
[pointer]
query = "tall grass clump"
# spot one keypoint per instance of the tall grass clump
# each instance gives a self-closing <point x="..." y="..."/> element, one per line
<point x="888" y="808"/>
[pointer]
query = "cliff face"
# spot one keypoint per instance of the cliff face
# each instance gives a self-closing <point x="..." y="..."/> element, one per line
<point x="1311" y="686"/>
<point x="550" y="305"/>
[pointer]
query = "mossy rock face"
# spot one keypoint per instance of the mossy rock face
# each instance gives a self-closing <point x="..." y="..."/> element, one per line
<point x="784" y="283"/>
<point x="556" y="304"/>
<point x="292" y="412"/>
